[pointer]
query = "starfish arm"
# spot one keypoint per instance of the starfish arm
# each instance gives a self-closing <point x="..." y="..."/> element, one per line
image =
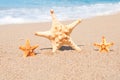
<point x="34" y="47"/>
<point x="109" y="44"/>
<point x="74" y="24"/>
<point x="55" y="21"/>
<point x="73" y="45"/>
<point x="45" y="34"/>
<point x="53" y="15"/>
<point x="98" y="45"/>
<point x="26" y="53"/>
<point x="32" y="54"/>
<point x="54" y="46"/>
<point x="27" y="43"/>
<point x="106" y="49"/>
<point x="22" y="48"/>
<point x="103" y="40"/>
<point x="54" y="49"/>
<point x="100" y="49"/>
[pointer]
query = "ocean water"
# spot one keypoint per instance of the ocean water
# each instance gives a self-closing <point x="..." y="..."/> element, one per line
<point x="25" y="11"/>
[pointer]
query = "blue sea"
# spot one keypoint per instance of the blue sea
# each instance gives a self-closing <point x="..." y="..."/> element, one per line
<point x="25" y="11"/>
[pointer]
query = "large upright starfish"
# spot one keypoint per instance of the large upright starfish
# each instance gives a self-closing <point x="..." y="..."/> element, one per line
<point x="103" y="46"/>
<point x="28" y="50"/>
<point x="59" y="34"/>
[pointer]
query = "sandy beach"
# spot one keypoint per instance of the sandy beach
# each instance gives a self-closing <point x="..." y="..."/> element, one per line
<point x="89" y="64"/>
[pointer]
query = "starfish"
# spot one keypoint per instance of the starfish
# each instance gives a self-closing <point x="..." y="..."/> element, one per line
<point x="103" y="46"/>
<point x="28" y="50"/>
<point x="59" y="34"/>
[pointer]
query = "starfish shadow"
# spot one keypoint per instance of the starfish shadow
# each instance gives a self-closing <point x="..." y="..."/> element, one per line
<point x="47" y="51"/>
<point x="62" y="48"/>
<point x="45" y="48"/>
<point x="111" y="50"/>
<point x="67" y="48"/>
<point x="37" y="53"/>
<point x="80" y="45"/>
<point x="96" y="49"/>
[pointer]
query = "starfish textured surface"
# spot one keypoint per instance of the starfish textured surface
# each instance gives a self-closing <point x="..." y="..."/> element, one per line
<point x="59" y="34"/>
<point x="103" y="46"/>
<point x="28" y="50"/>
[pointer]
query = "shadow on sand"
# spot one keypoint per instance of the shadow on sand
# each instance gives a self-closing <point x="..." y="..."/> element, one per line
<point x="62" y="48"/>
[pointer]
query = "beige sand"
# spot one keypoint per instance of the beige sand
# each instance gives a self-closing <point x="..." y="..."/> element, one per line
<point x="89" y="64"/>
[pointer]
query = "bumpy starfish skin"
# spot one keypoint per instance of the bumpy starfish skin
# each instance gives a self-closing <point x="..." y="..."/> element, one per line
<point x="60" y="34"/>
<point x="103" y="46"/>
<point x="28" y="50"/>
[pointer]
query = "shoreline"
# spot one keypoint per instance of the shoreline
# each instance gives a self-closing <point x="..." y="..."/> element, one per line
<point x="64" y="21"/>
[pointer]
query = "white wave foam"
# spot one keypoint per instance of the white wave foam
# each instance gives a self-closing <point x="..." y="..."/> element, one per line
<point x="87" y="11"/>
<point x="9" y="20"/>
<point x="25" y="15"/>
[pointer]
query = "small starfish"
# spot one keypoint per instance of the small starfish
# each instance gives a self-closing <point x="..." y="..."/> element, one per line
<point x="28" y="50"/>
<point x="60" y="34"/>
<point x="103" y="46"/>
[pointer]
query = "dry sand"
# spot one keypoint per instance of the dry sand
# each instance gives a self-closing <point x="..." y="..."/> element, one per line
<point x="89" y="64"/>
